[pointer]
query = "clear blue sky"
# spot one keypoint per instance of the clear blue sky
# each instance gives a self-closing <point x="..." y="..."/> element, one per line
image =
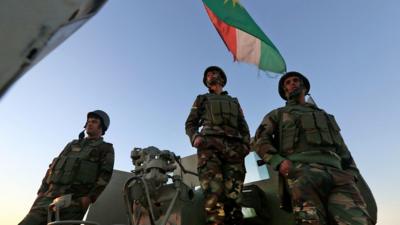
<point x="142" y="62"/>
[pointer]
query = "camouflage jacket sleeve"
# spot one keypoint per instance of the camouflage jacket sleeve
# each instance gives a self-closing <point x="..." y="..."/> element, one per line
<point x="342" y="150"/>
<point x="105" y="171"/>
<point x="243" y="127"/>
<point x="346" y="158"/>
<point x="44" y="186"/>
<point x="193" y="122"/>
<point x="265" y="139"/>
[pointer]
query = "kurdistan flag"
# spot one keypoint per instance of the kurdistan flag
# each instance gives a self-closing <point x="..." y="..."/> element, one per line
<point x="242" y="36"/>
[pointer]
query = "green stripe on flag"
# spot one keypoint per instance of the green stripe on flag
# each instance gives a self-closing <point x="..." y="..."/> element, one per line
<point x="271" y="60"/>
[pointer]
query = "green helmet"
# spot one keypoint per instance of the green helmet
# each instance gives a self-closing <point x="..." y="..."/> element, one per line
<point x="292" y="74"/>
<point x="216" y="68"/>
<point x="104" y="118"/>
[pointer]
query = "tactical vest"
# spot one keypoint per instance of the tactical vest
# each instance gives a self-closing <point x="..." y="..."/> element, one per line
<point x="74" y="167"/>
<point x="307" y="129"/>
<point x="221" y="110"/>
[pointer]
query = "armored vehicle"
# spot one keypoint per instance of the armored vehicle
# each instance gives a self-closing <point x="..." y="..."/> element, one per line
<point x="163" y="189"/>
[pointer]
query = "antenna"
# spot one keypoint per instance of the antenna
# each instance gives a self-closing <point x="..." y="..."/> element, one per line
<point x="311" y="100"/>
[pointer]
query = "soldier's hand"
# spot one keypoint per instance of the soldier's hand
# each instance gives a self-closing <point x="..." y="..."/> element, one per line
<point x="198" y="141"/>
<point x="285" y="167"/>
<point x="85" y="201"/>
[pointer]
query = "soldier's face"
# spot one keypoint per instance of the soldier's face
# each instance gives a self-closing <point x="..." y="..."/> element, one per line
<point x="291" y="84"/>
<point x="212" y="75"/>
<point x="93" y="127"/>
<point x="213" y="78"/>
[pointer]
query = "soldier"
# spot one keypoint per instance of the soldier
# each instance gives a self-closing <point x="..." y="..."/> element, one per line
<point x="304" y="144"/>
<point x="222" y="145"/>
<point x="82" y="169"/>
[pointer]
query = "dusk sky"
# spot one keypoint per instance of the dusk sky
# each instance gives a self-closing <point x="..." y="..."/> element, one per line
<point x="142" y="62"/>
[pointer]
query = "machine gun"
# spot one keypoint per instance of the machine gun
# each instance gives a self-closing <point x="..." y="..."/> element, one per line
<point x="149" y="196"/>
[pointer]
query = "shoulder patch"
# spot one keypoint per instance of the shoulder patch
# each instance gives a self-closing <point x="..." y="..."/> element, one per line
<point x="235" y="99"/>
<point x="107" y="143"/>
<point x="106" y="147"/>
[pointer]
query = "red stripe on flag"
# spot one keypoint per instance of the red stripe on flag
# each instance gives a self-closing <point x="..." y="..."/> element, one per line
<point x="227" y="33"/>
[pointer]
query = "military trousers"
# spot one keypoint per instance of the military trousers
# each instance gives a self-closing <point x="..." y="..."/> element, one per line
<point x="322" y="195"/>
<point x="221" y="174"/>
<point x="38" y="214"/>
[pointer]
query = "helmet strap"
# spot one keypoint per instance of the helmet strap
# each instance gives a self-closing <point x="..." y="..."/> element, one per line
<point x="81" y="135"/>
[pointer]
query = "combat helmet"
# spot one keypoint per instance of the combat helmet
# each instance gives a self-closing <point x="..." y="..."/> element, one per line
<point x="104" y="118"/>
<point x="211" y="68"/>
<point x="292" y="74"/>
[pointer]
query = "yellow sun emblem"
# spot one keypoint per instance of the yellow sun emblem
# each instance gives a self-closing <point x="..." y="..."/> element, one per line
<point x="234" y="2"/>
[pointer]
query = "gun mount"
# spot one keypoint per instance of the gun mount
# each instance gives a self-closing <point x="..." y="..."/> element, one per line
<point x="149" y="198"/>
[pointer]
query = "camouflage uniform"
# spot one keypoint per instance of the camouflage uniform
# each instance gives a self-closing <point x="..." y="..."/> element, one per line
<point x="321" y="183"/>
<point x="83" y="168"/>
<point x="221" y="154"/>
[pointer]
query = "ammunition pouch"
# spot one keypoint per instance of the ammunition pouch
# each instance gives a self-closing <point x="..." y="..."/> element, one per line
<point x="71" y="169"/>
<point x="311" y="131"/>
<point x="321" y="129"/>
<point x="289" y="138"/>
<point x="222" y="110"/>
<point x="314" y="128"/>
<point x="87" y="172"/>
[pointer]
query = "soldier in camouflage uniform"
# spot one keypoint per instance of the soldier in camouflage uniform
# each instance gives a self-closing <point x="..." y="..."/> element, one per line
<point x="222" y="145"/>
<point x="304" y="144"/>
<point x="82" y="169"/>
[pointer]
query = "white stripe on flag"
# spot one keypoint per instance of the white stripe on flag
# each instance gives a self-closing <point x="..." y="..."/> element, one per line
<point x="248" y="48"/>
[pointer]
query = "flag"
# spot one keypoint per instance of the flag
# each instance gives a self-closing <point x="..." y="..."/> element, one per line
<point x="242" y="36"/>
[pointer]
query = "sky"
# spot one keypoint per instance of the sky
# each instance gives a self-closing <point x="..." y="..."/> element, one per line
<point x="142" y="62"/>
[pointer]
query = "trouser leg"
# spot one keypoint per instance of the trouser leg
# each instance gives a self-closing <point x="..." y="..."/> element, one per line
<point x="307" y="187"/>
<point x="37" y="215"/>
<point x="345" y="204"/>
<point x="234" y="173"/>
<point x="211" y="182"/>
<point x="73" y="212"/>
<point x="233" y="185"/>
<point x="34" y="218"/>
